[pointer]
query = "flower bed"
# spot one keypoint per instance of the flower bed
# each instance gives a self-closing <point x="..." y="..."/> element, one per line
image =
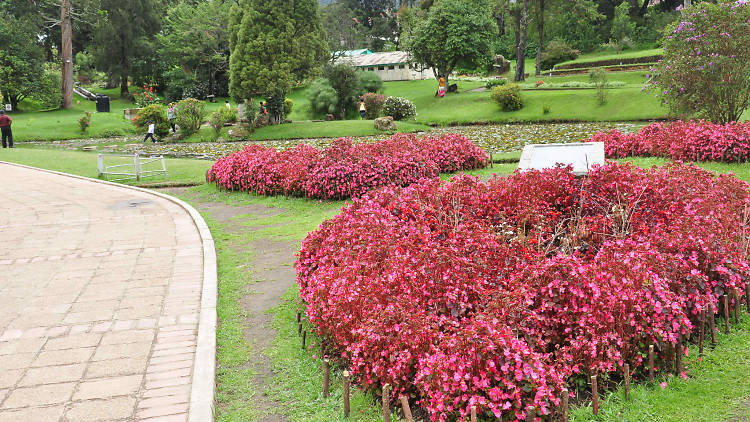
<point x="495" y="294"/>
<point x="343" y="169"/>
<point x="688" y="141"/>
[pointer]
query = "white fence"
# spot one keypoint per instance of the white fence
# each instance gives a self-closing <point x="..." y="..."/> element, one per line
<point x="130" y="167"/>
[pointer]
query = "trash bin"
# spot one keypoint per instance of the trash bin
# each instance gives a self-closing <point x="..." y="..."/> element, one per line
<point x="102" y="103"/>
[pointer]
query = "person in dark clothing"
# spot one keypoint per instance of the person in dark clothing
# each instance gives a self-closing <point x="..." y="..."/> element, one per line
<point x="5" y="123"/>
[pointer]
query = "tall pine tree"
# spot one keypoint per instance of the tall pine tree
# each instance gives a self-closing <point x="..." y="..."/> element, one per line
<point x="274" y="44"/>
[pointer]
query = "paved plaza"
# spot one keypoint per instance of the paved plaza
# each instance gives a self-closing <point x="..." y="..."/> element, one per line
<point x="101" y="295"/>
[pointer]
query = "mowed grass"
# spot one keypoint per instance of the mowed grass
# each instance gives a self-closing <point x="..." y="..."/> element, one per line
<point x="179" y="171"/>
<point x="597" y="56"/>
<point x="565" y="105"/>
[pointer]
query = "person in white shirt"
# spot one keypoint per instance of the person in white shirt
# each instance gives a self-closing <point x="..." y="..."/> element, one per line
<point x="150" y="133"/>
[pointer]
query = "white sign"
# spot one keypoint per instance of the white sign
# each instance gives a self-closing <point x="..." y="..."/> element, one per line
<point x="582" y="156"/>
<point x="8" y="107"/>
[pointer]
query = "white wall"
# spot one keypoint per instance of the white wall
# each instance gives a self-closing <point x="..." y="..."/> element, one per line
<point x="396" y="74"/>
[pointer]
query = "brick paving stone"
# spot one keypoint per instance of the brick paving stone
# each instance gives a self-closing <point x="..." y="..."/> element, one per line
<point x="99" y="315"/>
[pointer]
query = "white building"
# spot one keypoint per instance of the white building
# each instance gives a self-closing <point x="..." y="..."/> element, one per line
<point x="390" y="66"/>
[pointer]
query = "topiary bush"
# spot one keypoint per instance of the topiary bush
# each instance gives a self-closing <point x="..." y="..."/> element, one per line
<point x="399" y="108"/>
<point x="157" y="113"/>
<point x="508" y="97"/>
<point x="190" y="115"/>
<point x="373" y="105"/>
<point x="288" y="106"/>
<point x="369" y="82"/>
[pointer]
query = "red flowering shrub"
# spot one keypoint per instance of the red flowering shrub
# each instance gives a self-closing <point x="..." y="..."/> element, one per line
<point x="345" y="170"/>
<point x="490" y="294"/>
<point x="687" y="141"/>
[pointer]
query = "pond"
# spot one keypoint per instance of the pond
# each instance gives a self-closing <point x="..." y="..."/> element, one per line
<point x="493" y="138"/>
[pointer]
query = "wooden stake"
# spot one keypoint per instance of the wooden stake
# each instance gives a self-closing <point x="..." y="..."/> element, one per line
<point x="702" y="335"/>
<point x="347" y="407"/>
<point x="304" y="339"/>
<point x="678" y="358"/>
<point x="405" y="407"/>
<point x="736" y="306"/>
<point x="473" y="414"/>
<point x="712" y="324"/>
<point x="299" y="317"/>
<point x="651" y="363"/>
<point x="491" y="161"/>
<point x="726" y="314"/>
<point x="594" y="395"/>
<point x="299" y="328"/>
<point x="627" y="381"/>
<point x="386" y="403"/>
<point x="326" y="378"/>
<point x="564" y="412"/>
<point x="747" y="296"/>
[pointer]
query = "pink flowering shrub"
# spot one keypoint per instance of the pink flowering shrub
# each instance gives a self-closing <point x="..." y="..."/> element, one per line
<point x="688" y="141"/>
<point x="494" y="294"/>
<point x="345" y="170"/>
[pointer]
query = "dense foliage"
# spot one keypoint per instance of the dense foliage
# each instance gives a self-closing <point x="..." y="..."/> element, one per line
<point x="687" y="141"/>
<point x="344" y="170"/>
<point x="508" y="97"/>
<point x="190" y="115"/>
<point x="156" y="113"/>
<point x="369" y="82"/>
<point x="706" y="67"/>
<point x="557" y="51"/>
<point x="373" y="105"/>
<point x="492" y="294"/>
<point x="399" y="108"/>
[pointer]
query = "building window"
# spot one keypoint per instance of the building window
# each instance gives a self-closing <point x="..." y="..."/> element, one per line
<point x="402" y="67"/>
<point x="371" y="69"/>
<point x="391" y="67"/>
<point x="381" y="67"/>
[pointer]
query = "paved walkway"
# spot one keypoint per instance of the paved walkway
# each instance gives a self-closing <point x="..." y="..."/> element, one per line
<point x="100" y="302"/>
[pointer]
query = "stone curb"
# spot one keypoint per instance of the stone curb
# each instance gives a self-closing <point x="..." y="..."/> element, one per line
<point x="204" y="368"/>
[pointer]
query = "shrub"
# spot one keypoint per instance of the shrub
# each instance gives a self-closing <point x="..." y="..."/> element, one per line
<point x="345" y="170"/>
<point x="288" y="106"/>
<point x="557" y="51"/>
<point x="399" y="108"/>
<point x="343" y="79"/>
<point x="370" y="82"/>
<point x="217" y="121"/>
<point x="157" y="113"/>
<point x="599" y="78"/>
<point x="495" y="82"/>
<point x="546" y="109"/>
<point x="323" y="98"/>
<point x="508" y="97"/>
<point x="373" y="105"/>
<point x="706" y="63"/>
<point x="85" y="121"/>
<point x="145" y="95"/>
<point x="687" y="141"/>
<point x="229" y="114"/>
<point x="190" y="115"/>
<point x="493" y="294"/>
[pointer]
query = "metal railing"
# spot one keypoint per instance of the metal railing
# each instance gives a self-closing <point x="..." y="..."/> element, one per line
<point x="136" y="170"/>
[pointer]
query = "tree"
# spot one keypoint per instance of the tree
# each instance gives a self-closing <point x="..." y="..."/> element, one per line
<point x="705" y="71"/>
<point x="274" y="44"/>
<point x="342" y="28"/>
<point x="195" y="40"/>
<point x="575" y="22"/>
<point x="124" y="33"/>
<point x="377" y="19"/>
<point x="540" y="4"/>
<point x="521" y="15"/>
<point x="454" y="31"/>
<point x="21" y="59"/>
<point x="622" y="25"/>
<point x="344" y="81"/>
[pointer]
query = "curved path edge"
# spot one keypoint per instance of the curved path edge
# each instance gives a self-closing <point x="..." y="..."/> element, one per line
<point x="204" y="367"/>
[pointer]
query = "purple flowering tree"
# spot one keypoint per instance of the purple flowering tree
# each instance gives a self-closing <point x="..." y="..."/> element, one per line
<point x="705" y="71"/>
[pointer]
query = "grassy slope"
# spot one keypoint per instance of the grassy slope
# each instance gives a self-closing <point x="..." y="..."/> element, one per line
<point x="596" y="56"/>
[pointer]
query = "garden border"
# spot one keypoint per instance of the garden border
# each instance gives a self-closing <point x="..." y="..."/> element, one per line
<point x="202" y="390"/>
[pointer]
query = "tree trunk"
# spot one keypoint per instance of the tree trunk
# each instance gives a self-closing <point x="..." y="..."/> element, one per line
<point x="644" y="8"/>
<point x="523" y="23"/>
<point x="540" y="30"/>
<point x="500" y="19"/>
<point x="66" y="51"/>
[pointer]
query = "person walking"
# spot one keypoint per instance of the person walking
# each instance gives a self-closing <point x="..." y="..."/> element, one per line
<point x="150" y="133"/>
<point x="362" y="109"/>
<point x="5" y="123"/>
<point x="171" y="117"/>
<point x="226" y="103"/>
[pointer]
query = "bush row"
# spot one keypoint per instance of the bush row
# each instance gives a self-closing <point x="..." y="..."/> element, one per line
<point x="688" y="141"/>
<point x="345" y="170"/>
<point x="495" y="294"/>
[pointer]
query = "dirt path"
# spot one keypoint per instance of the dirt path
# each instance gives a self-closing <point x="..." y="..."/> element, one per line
<point x="273" y="274"/>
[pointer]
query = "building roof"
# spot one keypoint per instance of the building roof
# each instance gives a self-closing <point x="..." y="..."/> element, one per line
<point x="377" y="59"/>
<point x="351" y="53"/>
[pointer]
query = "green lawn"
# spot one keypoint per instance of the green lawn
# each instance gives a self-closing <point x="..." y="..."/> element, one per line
<point x="606" y="55"/>
<point x="180" y="171"/>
